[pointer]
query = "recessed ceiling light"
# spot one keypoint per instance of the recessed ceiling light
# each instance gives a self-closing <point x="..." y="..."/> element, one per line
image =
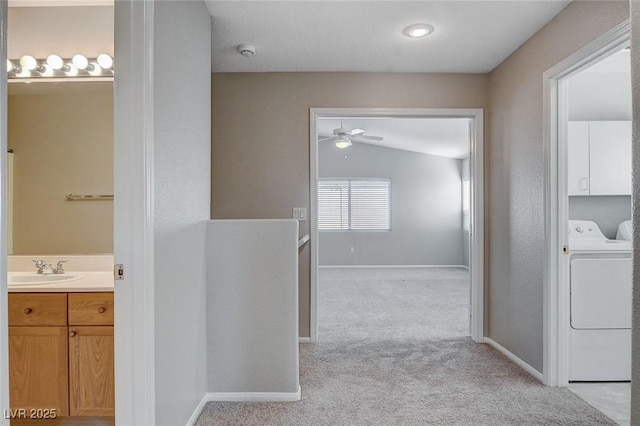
<point x="418" y="30"/>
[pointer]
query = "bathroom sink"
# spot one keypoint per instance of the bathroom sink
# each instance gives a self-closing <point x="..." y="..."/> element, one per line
<point x="28" y="278"/>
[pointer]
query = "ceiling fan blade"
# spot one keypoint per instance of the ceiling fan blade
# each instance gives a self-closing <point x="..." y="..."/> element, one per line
<point x="371" y="138"/>
<point x="324" y="138"/>
<point x="355" y="132"/>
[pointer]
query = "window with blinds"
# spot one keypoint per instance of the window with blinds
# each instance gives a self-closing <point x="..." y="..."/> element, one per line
<point x="354" y="204"/>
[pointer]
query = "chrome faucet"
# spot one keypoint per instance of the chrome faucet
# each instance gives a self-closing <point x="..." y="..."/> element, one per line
<point x="45" y="268"/>
<point x="59" y="269"/>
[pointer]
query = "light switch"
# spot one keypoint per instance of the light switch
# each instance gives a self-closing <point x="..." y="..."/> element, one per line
<point x="300" y="213"/>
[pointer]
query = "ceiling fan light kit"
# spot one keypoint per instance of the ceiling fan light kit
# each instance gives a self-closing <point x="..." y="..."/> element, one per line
<point x="342" y="137"/>
<point x="343" y="143"/>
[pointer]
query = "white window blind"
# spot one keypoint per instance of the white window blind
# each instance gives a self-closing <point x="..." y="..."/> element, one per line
<point x="354" y="204"/>
<point x="466" y="206"/>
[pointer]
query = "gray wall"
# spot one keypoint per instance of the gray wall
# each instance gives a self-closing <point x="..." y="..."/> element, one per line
<point x="425" y="208"/>
<point x="600" y="96"/>
<point x="466" y="237"/>
<point x="261" y="171"/>
<point x="252" y="306"/>
<point x="635" y="345"/>
<point x="607" y="211"/>
<point x="182" y="126"/>
<point x="515" y="178"/>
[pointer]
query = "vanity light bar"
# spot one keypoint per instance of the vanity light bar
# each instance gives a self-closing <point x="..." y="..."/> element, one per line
<point x="54" y="66"/>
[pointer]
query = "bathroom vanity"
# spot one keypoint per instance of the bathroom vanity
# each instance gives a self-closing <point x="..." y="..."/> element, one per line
<point x="61" y="345"/>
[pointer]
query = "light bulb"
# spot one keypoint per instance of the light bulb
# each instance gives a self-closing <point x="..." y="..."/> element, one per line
<point x="55" y="62"/>
<point x="80" y="62"/>
<point x="47" y="71"/>
<point x="72" y="70"/>
<point x="418" y="32"/>
<point x="342" y="143"/>
<point x="28" y="62"/>
<point x="94" y="69"/>
<point x="105" y="61"/>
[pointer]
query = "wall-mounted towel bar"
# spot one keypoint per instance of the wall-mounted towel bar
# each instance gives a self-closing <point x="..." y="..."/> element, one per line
<point x="88" y="197"/>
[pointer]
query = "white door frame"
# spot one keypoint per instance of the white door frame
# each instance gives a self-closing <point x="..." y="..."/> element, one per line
<point x="556" y="206"/>
<point x="4" y="319"/>
<point x="476" y="258"/>
<point x="133" y="245"/>
<point x="133" y="213"/>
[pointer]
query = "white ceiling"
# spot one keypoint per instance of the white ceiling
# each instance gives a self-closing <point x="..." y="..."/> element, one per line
<point x="445" y="137"/>
<point x="470" y="36"/>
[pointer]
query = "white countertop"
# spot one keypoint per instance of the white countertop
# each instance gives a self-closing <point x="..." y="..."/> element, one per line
<point x="89" y="281"/>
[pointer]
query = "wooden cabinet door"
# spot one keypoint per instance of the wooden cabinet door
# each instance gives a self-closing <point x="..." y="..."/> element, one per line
<point x="38" y="369"/>
<point x="91" y="375"/>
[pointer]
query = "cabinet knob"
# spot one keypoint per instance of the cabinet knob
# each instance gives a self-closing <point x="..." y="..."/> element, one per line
<point x="72" y="333"/>
<point x="101" y="310"/>
<point x="28" y="310"/>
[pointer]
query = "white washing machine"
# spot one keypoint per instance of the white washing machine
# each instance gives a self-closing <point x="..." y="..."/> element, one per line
<point x="625" y="231"/>
<point x="600" y="305"/>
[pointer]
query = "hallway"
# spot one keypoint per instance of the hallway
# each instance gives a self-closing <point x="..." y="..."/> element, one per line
<point x="378" y="363"/>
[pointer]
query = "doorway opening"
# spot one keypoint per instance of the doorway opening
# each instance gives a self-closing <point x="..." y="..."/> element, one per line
<point x="390" y="200"/>
<point x="587" y="304"/>
<point x="60" y="178"/>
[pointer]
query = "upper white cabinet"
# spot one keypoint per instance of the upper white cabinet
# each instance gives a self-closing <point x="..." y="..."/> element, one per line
<point x="599" y="157"/>
<point x="578" y="151"/>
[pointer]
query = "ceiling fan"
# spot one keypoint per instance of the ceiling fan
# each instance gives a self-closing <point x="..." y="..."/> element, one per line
<point x="343" y="137"/>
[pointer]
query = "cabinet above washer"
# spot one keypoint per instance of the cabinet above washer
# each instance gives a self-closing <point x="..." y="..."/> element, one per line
<point x="599" y="157"/>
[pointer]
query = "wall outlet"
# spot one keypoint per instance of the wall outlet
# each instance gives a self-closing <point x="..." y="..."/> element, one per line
<point x="300" y="213"/>
<point x="352" y="250"/>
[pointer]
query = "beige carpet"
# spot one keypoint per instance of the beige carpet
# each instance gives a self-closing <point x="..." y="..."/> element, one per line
<point x="376" y="365"/>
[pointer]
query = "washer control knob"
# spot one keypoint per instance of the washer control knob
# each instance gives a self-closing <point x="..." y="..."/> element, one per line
<point x="579" y="229"/>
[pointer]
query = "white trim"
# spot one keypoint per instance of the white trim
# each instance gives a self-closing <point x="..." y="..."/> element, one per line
<point x="304" y="339"/>
<point x="133" y="213"/>
<point x="555" y="293"/>
<point x="390" y="266"/>
<point x="254" y="396"/>
<point x="477" y="198"/>
<point x="196" y="413"/>
<point x="520" y="363"/>
<point x="4" y="320"/>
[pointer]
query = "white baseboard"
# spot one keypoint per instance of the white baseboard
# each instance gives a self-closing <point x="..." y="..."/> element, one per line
<point x="243" y="397"/>
<point x="390" y="266"/>
<point x="526" y="367"/>
<point x="304" y="339"/>
<point x="255" y="396"/>
<point x="196" y="413"/>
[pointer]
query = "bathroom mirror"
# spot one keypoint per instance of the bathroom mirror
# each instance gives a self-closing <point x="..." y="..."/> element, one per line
<point x="61" y="138"/>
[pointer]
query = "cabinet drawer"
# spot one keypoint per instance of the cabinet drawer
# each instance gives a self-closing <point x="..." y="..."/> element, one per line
<point x="91" y="308"/>
<point x="37" y="309"/>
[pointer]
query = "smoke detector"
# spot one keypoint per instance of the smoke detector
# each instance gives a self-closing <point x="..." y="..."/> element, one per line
<point x="247" y="50"/>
